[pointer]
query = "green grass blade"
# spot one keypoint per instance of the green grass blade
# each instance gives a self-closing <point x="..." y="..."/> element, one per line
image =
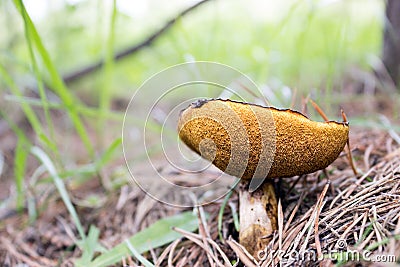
<point x="383" y="242"/>
<point x="365" y="234"/>
<point x="21" y="154"/>
<point x="82" y="109"/>
<point x="58" y="84"/>
<point x="105" y="93"/>
<point x="156" y="235"/>
<point x="29" y="113"/>
<point x="235" y="216"/>
<point x="107" y="155"/>
<point x="137" y="255"/>
<point x="42" y="156"/>
<point x="90" y="246"/>
<point x="91" y="168"/>
<point x="42" y="92"/>
<point x="221" y="213"/>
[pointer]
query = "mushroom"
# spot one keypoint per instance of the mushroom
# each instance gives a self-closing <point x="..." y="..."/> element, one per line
<point x="258" y="144"/>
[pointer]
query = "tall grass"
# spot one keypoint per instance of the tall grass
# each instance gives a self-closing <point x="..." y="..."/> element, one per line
<point x="56" y="82"/>
<point x="48" y="141"/>
<point x="107" y="79"/>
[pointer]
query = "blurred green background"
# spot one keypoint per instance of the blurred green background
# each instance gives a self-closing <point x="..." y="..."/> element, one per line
<point x="298" y="44"/>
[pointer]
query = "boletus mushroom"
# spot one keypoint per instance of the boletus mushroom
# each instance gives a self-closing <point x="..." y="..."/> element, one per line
<point x="256" y="143"/>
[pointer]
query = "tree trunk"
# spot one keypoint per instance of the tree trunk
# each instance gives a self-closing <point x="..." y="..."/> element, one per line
<point x="391" y="40"/>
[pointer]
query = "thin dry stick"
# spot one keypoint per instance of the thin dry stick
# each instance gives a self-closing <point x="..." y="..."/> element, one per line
<point x="367" y="154"/>
<point x="305" y="216"/>
<point x="196" y="255"/>
<point x="357" y="198"/>
<point x="331" y="229"/>
<point x="351" y="226"/>
<point x="358" y="182"/>
<point x="166" y="251"/>
<point x="216" y="246"/>
<point x="392" y="245"/>
<point x="203" y="233"/>
<point x="153" y="254"/>
<point x="67" y="228"/>
<point x="288" y="242"/>
<point x="33" y="254"/>
<point x="304" y="102"/>
<point x="196" y="239"/>
<point x="350" y="157"/>
<point x="171" y="253"/>
<point x="200" y="261"/>
<point x="302" y="233"/>
<point x="366" y="241"/>
<point x="178" y="255"/>
<point x="319" y="110"/>
<point x="319" y="207"/>
<point x="357" y="215"/>
<point x="221" y="252"/>
<point x="130" y="261"/>
<point x="295" y="183"/>
<point x="293" y="101"/>
<point x="241" y="253"/>
<point x="289" y="221"/>
<point x="280" y="224"/>
<point x="8" y="246"/>
<point x="363" y="224"/>
<point x="389" y="218"/>
<point x="123" y="197"/>
<point x="339" y="196"/>
<point x="272" y="246"/>
<point x="182" y="262"/>
<point x="395" y="187"/>
<point x="342" y="224"/>
<point x="251" y="92"/>
<point x="393" y="154"/>
<point x="374" y="221"/>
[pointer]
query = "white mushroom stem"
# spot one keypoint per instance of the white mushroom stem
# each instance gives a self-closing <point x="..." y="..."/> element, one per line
<point x="258" y="216"/>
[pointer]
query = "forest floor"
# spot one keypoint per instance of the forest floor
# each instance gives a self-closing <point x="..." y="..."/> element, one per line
<point x="354" y="213"/>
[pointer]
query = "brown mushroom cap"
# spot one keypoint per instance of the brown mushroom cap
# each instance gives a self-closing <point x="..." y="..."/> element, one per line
<point x="247" y="140"/>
